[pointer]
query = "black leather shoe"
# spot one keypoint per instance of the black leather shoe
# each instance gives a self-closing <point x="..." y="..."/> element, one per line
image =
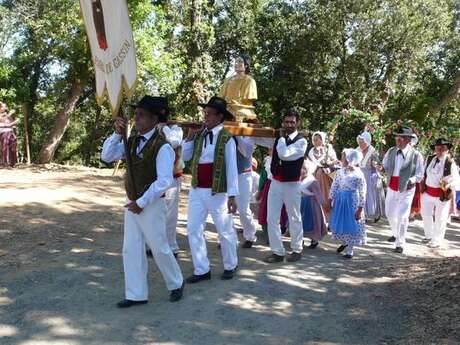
<point x="176" y="294"/>
<point x="149" y="253"/>
<point x="341" y="248"/>
<point x="293" y="257"/>
<point x="273" y="258"/>
<point x="198" y="277"/>
<point x="392" y="239"/>
<point x="228" y="274"/>
<point x="126" y="303"/>
<point x="313" y="244"/>
<point x="399" y="250"/>
<point x="247" y="244"/>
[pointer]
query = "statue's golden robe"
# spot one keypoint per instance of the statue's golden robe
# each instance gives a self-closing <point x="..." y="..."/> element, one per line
<point x="240" y="92"/>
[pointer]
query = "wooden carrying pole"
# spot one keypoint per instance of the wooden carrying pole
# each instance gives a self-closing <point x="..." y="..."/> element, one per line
<point x="129" y="161"/>
<point x="235" y="128"/>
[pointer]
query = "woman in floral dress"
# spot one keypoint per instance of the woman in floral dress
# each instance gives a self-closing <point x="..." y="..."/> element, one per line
<point x="348" y="197"/>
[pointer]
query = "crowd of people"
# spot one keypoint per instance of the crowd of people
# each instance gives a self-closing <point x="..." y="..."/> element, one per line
<point x="301" y="193"/>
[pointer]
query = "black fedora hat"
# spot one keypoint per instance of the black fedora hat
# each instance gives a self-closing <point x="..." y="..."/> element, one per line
<point x="441" y="141"/>
<point x="152" y="104"/>
<point x="220" y="105"/>
<point x="404" y="132"/>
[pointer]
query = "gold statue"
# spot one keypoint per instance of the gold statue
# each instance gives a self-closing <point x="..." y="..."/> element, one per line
<point x="240" y="91"/>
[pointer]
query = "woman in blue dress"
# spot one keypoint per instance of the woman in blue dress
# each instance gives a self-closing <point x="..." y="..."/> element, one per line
<point x="313" y="220"/>
<point x="375" y="194"/>
<point x="348" y="196"/>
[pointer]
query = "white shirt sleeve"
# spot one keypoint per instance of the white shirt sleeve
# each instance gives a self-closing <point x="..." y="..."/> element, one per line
<point x="245" y="146"/>
<point x="187" y="150"/>
<point x="164" y="165"/>
<point x="419" y="172"/>
<point x="454" y="179"/>
<point x="113" y="149"/>
<point x="293" y="151"/>
<point x="231" y="168"/>
<point x="174" y="135"/>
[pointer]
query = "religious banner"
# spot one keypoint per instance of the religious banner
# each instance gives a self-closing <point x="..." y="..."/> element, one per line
<point x="112" y="48"/>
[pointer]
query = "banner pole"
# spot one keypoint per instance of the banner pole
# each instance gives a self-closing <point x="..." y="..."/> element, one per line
<point x="129" y="161"/>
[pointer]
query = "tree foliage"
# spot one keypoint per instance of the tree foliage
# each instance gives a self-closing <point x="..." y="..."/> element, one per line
<point x="341" y="63"/>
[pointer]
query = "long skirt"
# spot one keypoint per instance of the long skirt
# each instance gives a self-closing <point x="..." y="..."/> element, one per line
<point x="263" y="207"/>
<point x="375" y="194"/>
<point x="344" y="226"/>
<point x="9" y="148"/>
<point x="313" y="223"/>
<point x="325" y="183"/>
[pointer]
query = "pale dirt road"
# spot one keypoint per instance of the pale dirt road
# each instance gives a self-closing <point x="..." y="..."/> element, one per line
<point x="61" y="275"/>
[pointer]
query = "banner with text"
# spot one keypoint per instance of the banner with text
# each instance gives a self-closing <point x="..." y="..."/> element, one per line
<point x="112" y="48"/>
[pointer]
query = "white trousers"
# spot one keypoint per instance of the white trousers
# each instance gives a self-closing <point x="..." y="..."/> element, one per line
<point x="397" y="209"/>
<point x="289" y="194"/>
<point x="172" y="213"/>
<point x="201" y="203"/>
<point x="139" y="229"/>
<point x="434" y="229"/>
<point x="243" y="201"/>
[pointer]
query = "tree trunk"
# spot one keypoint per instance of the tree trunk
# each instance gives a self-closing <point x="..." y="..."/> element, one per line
<point x="196" y="50"/>
<point x="25" y="111"/>
<point x="451" y="94"/>
<point x="61" y="123"/>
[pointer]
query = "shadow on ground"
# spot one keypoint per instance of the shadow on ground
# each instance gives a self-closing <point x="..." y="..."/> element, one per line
<point x="61" y="275"/>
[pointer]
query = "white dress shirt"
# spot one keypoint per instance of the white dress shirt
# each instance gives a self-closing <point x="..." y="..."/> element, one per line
<point x="435" y="172"/>
<point x="114" y="150"/>
<point x="399" y="162"/>
<point x="207" y="156"/>
<point x="293" y="151"/>
<point x="290" y="152"/>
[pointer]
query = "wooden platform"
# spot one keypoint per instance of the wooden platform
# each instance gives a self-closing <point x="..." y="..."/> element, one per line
<point x="236" y="128"/>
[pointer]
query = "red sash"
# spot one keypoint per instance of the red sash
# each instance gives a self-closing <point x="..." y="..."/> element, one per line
<point x="434" y="192"/>
<point x="204" y="175"/>
<point x="394" y="183"/>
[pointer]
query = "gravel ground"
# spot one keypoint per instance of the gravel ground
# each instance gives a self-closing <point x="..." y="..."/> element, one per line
<point x="61" y="275"/>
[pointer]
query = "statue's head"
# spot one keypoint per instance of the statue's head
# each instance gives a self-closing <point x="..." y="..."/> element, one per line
<point x="243" y="64"/>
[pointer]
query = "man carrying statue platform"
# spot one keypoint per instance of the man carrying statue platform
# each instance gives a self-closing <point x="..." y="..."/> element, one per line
<point x="212" y="153"/>
<point x="152" y="159"/>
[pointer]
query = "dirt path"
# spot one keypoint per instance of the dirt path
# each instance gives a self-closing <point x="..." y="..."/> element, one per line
<point x="61" y="275"/>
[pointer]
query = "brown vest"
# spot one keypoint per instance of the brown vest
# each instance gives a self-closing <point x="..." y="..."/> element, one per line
<point x="144" y="168"/>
